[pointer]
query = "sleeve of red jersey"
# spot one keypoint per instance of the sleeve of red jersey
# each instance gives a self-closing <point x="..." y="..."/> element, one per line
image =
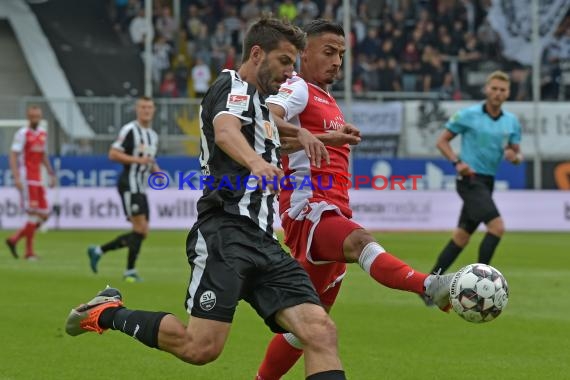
<point x="293" y="96"/>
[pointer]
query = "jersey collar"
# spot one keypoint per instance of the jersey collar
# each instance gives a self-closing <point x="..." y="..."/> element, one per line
<point x="494" y="118"/>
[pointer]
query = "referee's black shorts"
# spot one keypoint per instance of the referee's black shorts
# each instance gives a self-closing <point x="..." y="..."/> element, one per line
<point x="231" y="259"/>
<point x="476" y="191"/>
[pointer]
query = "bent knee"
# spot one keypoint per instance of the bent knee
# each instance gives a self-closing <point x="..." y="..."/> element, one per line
<point x="321" y="331"/>
<point x="461" y="237"/>
<point x="496" y="227"/>
<point x="200" y="355"/>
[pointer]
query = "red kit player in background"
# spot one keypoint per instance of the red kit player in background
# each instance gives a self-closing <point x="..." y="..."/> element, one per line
<point x="27" y="155"/>
<point x="316" y="220"/>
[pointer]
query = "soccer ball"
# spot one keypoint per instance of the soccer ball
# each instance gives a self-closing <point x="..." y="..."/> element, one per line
<point x="478" y="293"/>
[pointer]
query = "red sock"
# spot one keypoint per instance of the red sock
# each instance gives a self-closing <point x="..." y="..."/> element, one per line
<point x="30" y="231"/>
<point x="391" y="271"/>
<point x="280" y="357"/>
<point x="20" y="233"/>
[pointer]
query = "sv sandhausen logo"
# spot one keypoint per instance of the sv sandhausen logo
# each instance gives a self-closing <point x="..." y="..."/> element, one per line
<point x="208" y="300"/>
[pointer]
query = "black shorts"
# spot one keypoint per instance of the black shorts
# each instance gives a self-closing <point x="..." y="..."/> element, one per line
<point x="478" y="204"/>
<point x="231" y="259"/>
<point x="134" y="203"/>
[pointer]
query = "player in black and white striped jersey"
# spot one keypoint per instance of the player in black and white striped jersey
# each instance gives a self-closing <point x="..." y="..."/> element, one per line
<point x="231" y="248"/>
<point x="135" y="148"/>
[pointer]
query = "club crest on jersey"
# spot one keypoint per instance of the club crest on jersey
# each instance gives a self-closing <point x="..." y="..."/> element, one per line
<point x="237" y="102"/>
<point x="208" y="300"/>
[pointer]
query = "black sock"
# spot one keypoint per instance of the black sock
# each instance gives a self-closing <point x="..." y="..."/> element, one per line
<point x="336" y="374"/>
<point x="487" y="247"/>
<point x="119" y="242"/>
<point x="447" y="257"/>
<point x="141" y="325"/>
<point x="135" y="243"/>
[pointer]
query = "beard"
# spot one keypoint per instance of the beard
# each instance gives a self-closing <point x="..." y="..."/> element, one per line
<point x="266" y="80"/>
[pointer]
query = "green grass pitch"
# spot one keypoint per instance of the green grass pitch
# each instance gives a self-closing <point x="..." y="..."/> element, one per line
<point x="383" y="334"/>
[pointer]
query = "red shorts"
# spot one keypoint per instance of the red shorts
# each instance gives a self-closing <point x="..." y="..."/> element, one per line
<point x="34" y="199"/>
<point x="319" y="228"/>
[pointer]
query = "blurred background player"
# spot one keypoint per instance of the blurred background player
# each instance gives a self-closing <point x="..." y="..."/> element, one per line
<point x="27" y="155"/>
<point x="484" y="130"/>
<point x="136" y="149"/>
<point x="317" y="222"/>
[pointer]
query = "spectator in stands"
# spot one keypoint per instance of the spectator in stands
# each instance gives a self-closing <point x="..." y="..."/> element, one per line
<point x="231" y="62"/>
<point x="201" y="77"/>
<point x="330" y="9"/>
<point x="520" y="84"/>
<point x="388" y="79"/>
<point x="488" y="40"/>
<point x="308" y="8"/>
<point x="410" y="66"/>
<point x="233" y="25"/>
<point x="250" y="11"/>
<point x="371" y="45"/>
<point x="138" y="29"/>
<point x="161" y="53"/>
<point x="220" y="42"/>
<point x="287" y="10"/>
<point x="193" y="23"/>
<point x="166" y="25"/>
<point x="168" y="88"/>
<point x="387" y="50"/>
<point x="133" y="8"/>
<point x="203" y="45"/>
<point x="471" y="52"/>
<point x="446" y="47"/>
<point x="434" y="73"/>
<point x="181" y="71"/>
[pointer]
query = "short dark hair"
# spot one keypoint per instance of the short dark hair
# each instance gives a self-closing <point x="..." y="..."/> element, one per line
<point x="268" y="32"/>
<point x="320" y="26"/>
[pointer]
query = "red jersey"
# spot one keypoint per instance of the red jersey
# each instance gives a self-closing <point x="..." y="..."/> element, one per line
<point x="310" y="107"/>
<point x="30" y="145"/>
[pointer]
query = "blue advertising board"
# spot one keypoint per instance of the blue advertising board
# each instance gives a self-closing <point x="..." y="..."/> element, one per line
<point x="438" y="174"/>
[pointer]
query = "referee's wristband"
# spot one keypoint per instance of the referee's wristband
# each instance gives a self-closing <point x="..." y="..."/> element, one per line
<point x="457" y="161"/>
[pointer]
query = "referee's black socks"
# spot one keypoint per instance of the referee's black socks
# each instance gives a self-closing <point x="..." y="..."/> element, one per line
<point x="119" y="242"/>
<point x="447" y="257"/>
<point x="487" y="247"/>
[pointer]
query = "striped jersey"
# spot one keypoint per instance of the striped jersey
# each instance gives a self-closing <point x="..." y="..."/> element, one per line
<point x="136" y="141"/>
<point x="309" y="106"/>
<point x="30" y="144"/>
<point x="231" y="188"/>
<point x="483" y="138"/>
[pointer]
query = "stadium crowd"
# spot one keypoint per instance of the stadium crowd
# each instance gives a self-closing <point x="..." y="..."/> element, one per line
<point x="398" y="45"/>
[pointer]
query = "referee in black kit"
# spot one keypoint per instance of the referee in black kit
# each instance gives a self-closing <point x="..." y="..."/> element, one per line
<point x="135" y="148"/>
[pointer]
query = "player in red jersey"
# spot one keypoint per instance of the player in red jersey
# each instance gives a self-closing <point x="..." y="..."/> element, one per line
<point x="27" y="155"/>
<point x="317" y="219"/>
